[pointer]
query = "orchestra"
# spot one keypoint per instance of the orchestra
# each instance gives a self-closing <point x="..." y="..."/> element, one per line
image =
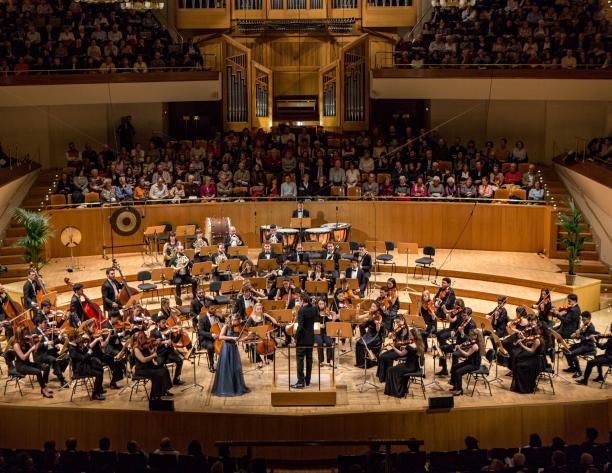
<point x="131" y="340"/>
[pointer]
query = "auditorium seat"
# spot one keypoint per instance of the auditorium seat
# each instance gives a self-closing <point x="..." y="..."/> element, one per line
<point x="502" y="453"/>
<point x="537" y="457"/>
<point x="472" y="460"/>
<point x="518" y="192"/>
<point x="57" y="200"/>
<point x="92" y="198"/>
<point x="442" y="462"/>
<point x="163" y="462"/>
<point x="502" y="193"/>
<point x="411" y="462"/>
<point x="74" y="462"/>
<point x="191" y="463"/>
<point x="131" y="463"/>
<point x="103" y="462"/>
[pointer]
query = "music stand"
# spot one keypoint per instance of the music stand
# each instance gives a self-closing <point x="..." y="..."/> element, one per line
<point x="298" y="268"/>
<point x="195" y="385"/>
<point x="300" y="223"/>
<point x="312" y="246"/>
<point x="276" y="248"/>
<point x="270" y="305"/>
<point x="207" y="251"/>
<point x="229" y="265"/>
<point x="407" y="249"/>
<point x="185" y="230"/>
<point x="338" y="331"/>
<point x="163" y="275"/>
<point x="261" y="333"/>
<point x="267" y="265"/>
<point x="562" y="347"/>
<point x="316" y="287"/>
<point x="258" y="283"/>
<point x="295" y="281"/>
<point x="152" y="234"/>
<point x="201" y="269"/>
<point x="231" y="287"/>
<point x="238" y="251"/>
<point x="328" y="265"/>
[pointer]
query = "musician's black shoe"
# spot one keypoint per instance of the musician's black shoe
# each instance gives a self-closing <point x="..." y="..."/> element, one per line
<point x="458" y="392"/>
<point x="442" y="373"/>
<point x="577" y="374"/>
<point x="114" y="386"/>
<point x="569" y="369"/>
<point x="97" y="397"/>
<point x="103" y="391"/>
<point x="168" y="394"/>
<point x="211" y="369"/>
<point x="178" y="300"/>
<point x="584" y="382"/>
<point x="298" y="386"/>
<point x="178" y="382"/>
<point x="599" y="379"/>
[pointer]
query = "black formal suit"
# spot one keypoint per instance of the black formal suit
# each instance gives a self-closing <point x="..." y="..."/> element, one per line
<point x="305" y="213"/>
<point x="365" y="262"/>
<point x="108" y="294"/>
<point x="569" y="322"/>
<point x="360" y="276"/>
<point x="206" y="339"/>
<point x="448" y="301"/>
<point x="241" y="306"/>
<point x="585" y="346"/>
<point x="29" y="294"/>
<point x="227" y="241"/>
<point x="107" y="357"/>
<point x="304" y="340"/>
<point x="500" y="323"/>
<point x="264" y="255"/>
<point x="76" y="307"/>
<point x="85" y="364"/>
<point x="302" y="258"/>
<point x="305" y="191"/>
<point x="599" y="361"/>
<point x="274" y="238"/>
<point x="167" y="354"/>
<point x="195" y="308"/>
<point x="46" y="354"/>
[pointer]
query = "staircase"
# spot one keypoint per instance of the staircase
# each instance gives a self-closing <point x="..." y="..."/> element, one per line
<point x="13" y="258"/>
<point x="590" y="265"/>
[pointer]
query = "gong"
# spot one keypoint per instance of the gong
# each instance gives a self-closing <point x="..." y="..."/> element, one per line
<point x="125" y="221"/>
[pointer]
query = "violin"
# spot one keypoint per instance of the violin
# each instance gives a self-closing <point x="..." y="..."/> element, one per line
<point x="438" y="299"/>
<point x="527" y="341"/>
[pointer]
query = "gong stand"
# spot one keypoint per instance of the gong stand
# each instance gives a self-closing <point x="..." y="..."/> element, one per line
<point x="125" y="221"/>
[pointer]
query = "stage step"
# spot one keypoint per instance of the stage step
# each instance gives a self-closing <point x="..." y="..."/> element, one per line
<point x="15" y="232"/>
<point x="8" y="250"/>
<point x="16" y="271"/>
<point x="584" y="255"/>
<point x="587" y="246"/>
<point x="585" y="233"/>
<point x="594" y="267"/>
<point x="11" y="259"/>
<point x="604" y="278"/>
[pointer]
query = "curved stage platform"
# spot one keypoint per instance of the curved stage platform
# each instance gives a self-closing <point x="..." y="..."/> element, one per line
<point x="505" y="418"/>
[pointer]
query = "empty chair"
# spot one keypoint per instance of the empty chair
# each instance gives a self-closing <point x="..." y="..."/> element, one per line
<point x="144" y="286"/>
<point x="386" y="258"/>
<point x="57" y="200"/>
<point x="426" y="261"/>
<point x="220" y="299"/>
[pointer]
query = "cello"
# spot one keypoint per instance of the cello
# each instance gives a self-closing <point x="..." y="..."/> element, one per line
<point x="90" y="308"/>
<point x="126" y="291"/>
<point x="266" y="346"/>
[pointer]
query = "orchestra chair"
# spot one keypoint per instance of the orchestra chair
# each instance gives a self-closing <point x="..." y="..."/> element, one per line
<point x="14" y="376"/>
<point x="80" y="381"/>
<point x="138" y="381"/>
<point x="129" y="463"/>
<point x="482" y="375"/>
<point x="416" y="378"/>
<point x="162" y="463"/>
<point x="547" y="374"/>
<point x="57" y="200"/>
<point x="144" y="286"/>
<point x="425" y="262"/>
<point x="92" y="198"/>
<point x="386" y="258"/>
<point x="220" y="299"/>
<point x="502" y="193"/>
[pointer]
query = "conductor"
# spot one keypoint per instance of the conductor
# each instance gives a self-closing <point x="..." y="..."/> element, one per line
<point x="304" y="340"/>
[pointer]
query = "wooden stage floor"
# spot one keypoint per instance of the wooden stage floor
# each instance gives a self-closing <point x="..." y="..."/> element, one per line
<point x="482" y="275"/>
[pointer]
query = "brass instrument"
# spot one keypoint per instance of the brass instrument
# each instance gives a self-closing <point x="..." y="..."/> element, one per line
<point x="170" y="252"/>
<point x="182" y="261"/>
<point x="199" y="244"/>
<point x="235" y="240"/>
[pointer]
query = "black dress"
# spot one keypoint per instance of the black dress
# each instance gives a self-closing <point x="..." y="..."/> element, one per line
<point x="526" y="368"/>
<point x="27" y="367"/>
<point x="373" y="339"/>
<point x="229" y="380"/>
<point x="388" y="357"/>
<point x="395" y="384"/>
<point x="158" y="374"/>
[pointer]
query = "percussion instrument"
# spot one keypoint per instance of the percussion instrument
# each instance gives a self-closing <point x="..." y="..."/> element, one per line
<point x="322" y="235"/>
<point x="216" y="229"/>
<point x="339" y="231"/>
<point x="290" y="236"/>
<point x="264" y="231"/>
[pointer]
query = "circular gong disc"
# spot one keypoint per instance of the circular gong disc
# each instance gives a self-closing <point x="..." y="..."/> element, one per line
<point x="70" y="237"/>
<point x="125" y="221"/>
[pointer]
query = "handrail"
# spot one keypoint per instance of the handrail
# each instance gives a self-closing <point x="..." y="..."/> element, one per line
<point x="237" y="198"/>
<point x="34" y="72"/>
<point x="395" y="65"/>
<point x="316" y="443"/>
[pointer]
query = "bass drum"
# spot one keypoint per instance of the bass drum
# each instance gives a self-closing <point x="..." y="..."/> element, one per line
<point x="216" y="228"/>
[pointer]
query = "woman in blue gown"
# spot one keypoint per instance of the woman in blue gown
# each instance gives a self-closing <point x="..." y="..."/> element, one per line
<point x="229" y="381"/>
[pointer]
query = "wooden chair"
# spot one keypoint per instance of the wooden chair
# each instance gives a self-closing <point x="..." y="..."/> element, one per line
<point x="518" y="192"/>
<point x="381" y="176"/>
<point x="57" y="200"/>
<point x="337" y="191"/>
<point x="502" y="193"/>
<point x="92" y="198"/>
<point x="523" y="167"/>
<point x="353" y="193"/>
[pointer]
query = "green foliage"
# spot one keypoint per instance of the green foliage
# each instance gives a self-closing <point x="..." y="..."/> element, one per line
<point x="572" y="224"/>
<point x="38" y="232"/>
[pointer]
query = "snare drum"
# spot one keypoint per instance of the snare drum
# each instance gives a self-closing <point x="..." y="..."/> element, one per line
<point x="322" y="235"/>
<point x="264" y="231"/>
<point x="216" y="229"/>
<point x="340" y="231"/>
<point x="290" y="236"/>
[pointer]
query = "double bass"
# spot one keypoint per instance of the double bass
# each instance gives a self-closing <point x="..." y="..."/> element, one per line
<point x="90" y="308"/>
<point x="40" y="293"/>
<point x="15" y="313"/>
<point x="126" y="291"/>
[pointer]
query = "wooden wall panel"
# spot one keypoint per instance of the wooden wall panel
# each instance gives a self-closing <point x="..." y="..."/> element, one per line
<point x="503" y="426"/>
<point x="441" y="224"/>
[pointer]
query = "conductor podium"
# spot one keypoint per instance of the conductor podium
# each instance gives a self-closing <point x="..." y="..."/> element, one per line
<point x="322" y="389"/>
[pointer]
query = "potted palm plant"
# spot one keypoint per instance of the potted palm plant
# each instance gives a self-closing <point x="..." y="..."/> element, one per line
<point x="38" y="231"/>
<point x="571" y="223"/>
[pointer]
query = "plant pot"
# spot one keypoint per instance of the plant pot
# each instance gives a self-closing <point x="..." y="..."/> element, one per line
<point x="570" y="279"/>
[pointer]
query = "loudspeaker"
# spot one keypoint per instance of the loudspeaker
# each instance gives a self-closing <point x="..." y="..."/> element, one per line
<point x="441" y="402"/>
<point x="161" y="405"/>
